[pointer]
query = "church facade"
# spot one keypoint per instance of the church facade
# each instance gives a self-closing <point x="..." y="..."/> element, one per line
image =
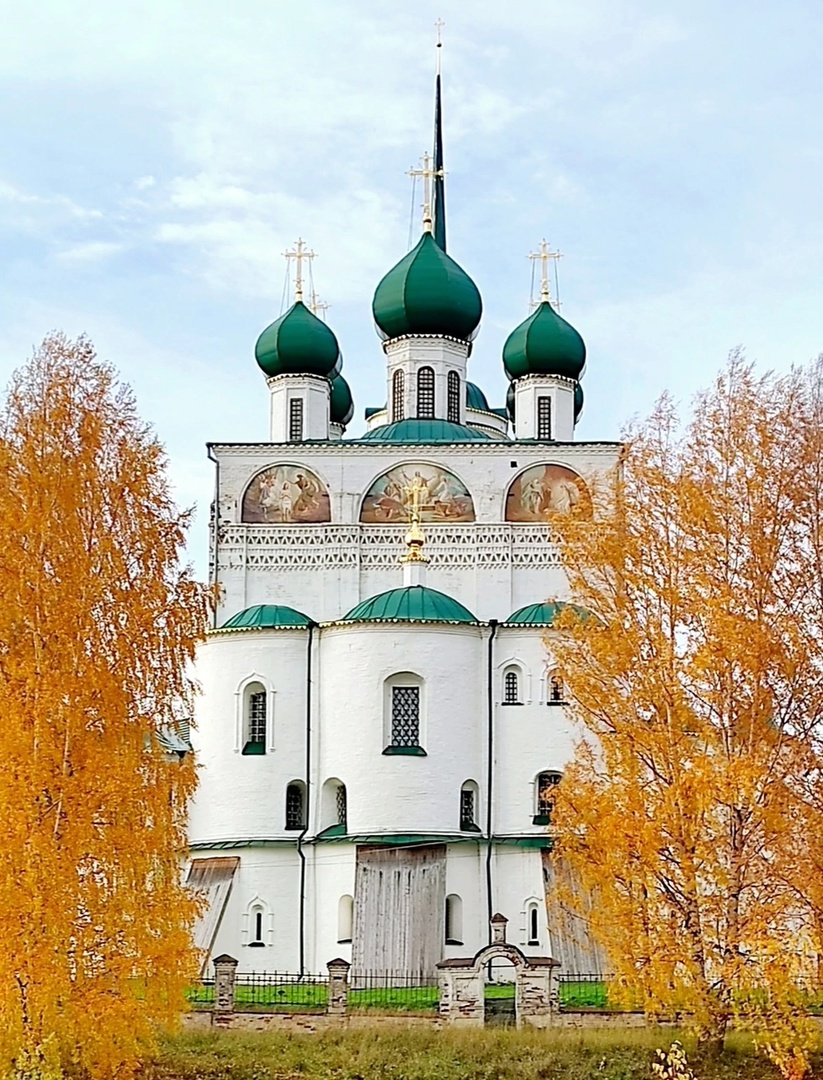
<point x="381" y="723"/>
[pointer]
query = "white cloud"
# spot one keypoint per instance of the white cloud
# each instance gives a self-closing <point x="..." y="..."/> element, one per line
<point x="92" y="252"/>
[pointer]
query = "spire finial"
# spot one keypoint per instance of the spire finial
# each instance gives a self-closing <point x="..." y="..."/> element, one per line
<point x="415" y="537"/>
<point x="427" y="172"/>
<point x="439" y="201"/>
<point x="299" y="254"/>
<point x="545" y="255"/>
<point x="438" y="45"/>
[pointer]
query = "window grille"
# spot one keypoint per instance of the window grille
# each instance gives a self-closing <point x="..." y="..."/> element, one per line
<point x="340" y="796"/>
<point x="544" y="418"/>
<point x="511" y="690"/>
<point x="556" y="695"/>
<point x="294" y="807"/>
<point x="257" y="717"/>
<point x="425" y="393"/>
<point x="296" y="420"/>
<point x="453" y="397"/>
<point x="398" y="389"/>
<point x="405" y="716"/>
<point x="546" y="783"/>
<point x="467" y="809"/>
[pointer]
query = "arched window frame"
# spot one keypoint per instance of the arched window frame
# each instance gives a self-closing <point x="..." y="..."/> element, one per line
<point x="398" y="698"/>
<point x="295" y="822"/>
<point x="345" y="919"/>
<point x="454" y="919"/>
<point x="398" y="395"/>
<point x="425" y="393"/>
<point x="532" y="928"/>
<point x="333" y="807"/>
<point x="257" y="913"/>
<point x="524" y="680"/>
<point x="468" y="820"/>
<point x="512" y="692"/>
<point x="544" y="782"/>
<point x="242" y="704"/>
<point x="453" y="397"/>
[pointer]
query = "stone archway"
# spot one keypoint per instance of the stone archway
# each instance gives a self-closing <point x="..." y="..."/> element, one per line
<point x="462" y="983"/>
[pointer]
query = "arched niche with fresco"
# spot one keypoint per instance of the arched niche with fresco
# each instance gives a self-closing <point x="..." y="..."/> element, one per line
<point x="286" y="495"/>
<point x="541" y="491"/>
<point x="442" y="497"/>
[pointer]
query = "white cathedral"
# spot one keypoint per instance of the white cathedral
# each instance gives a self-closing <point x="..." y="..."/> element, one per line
<point x="381" y="724"/>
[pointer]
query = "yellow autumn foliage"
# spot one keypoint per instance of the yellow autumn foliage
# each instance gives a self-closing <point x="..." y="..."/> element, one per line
<point x="97" y="626"/>
<point x="691" y="817"/>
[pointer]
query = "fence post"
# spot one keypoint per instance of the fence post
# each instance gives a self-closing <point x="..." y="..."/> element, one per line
<point x="338" y="987"/>
<point x="225" y="969"/>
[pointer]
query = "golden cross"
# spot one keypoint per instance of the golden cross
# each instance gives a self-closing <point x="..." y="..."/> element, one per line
<point x="428" y="172"/>
<point x="318" y="306"/>
<point x="439" y="24"/>
<point x="545" y="255"/>
<point x="299" y="254"/>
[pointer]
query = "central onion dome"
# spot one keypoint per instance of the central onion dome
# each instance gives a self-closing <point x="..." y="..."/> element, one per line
<point x="545" y="344"/>
<point x="341" y="406"/>
<point x="298" y="343"/>
<point x="427" y="293"/>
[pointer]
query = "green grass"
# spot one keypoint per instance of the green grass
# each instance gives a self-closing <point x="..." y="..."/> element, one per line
<point x="411" y="1054"/>
<point x="313" y="997"/>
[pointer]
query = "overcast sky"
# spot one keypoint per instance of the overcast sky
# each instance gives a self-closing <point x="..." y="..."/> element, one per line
<point x="158" y="157"/>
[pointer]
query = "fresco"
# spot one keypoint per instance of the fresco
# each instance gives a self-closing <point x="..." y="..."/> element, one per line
<point x="443" y="498"/>
<point x="286" y="495"/>
<point x="544" y="490"/>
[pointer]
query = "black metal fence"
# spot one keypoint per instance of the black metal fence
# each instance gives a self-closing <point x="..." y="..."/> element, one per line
<point x="380" y="992"/>
<point x="585" y="991"/>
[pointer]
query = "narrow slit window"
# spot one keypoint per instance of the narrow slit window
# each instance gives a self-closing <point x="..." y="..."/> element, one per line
<point x="467" y="810"/>
<point x="258" y="926"/>
<point x="425" y="393"/>
<point x="511" y="688"/>
<point x="296" y="420"/>
<point x="556" y="692"/>
<point x="546" y="784"/>
<point x="256" y="720"/>
<point x="342" y="809"/>
<point x="405" y="716"/>
<point x="534" y="937"/>
<point x="544" y="417"/>
<point x="398" y="390"/>
<point x="453" y="397"/>
<point x="295" y="816"/>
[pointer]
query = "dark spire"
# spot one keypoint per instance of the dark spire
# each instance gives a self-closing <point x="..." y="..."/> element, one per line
<point x="439" y="200"/>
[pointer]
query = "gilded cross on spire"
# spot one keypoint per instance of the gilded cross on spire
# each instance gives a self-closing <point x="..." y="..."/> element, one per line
<point x="299" y="253"/>
<point x="438" y="25"/>
<point x="546" y="255"/>
<point x="415" y="538"/>
<point x="428" y="172"/>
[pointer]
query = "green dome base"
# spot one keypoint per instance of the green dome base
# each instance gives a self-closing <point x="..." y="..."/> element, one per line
<point x="267" y="617"/>
<point x="424" y="431"/>
<point x="411" y="603"/>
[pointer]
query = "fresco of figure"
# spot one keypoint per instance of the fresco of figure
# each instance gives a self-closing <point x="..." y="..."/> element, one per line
<point x="442" y="497"/>
<point x="543" y="490"/>
<point x="286" y="495"/>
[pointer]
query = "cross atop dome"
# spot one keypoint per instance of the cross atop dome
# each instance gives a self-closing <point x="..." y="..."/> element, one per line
<point x="299" y="253"/>
<point x="545" y="255"/>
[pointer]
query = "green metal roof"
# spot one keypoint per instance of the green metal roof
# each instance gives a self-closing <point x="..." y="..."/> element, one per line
<point x="266" y="617"/>
<point x="544" y="344"/>
<point x="424" y="431"/>
<point x="411" y="603"/>
<point x="475" y="398"/>
<point x="298" y="343"/>
<point x="341" y="405"/>
<point x="427" y="293"/>
<point x="538" y="614"/>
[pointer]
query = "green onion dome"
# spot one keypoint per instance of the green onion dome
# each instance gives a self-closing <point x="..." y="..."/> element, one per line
<point x="266" y="617"/>
<point x="475" y="398"/>
<point x="578" y="401"/>
<point x="298" y="343"/>
<point x="545" y="344"/>
<point x="341" y="406"/>
<point x="411" y="603"/>
<point x="424" y="431"/>
<point x="510" y="401"/>
<point x="427" y="293"/>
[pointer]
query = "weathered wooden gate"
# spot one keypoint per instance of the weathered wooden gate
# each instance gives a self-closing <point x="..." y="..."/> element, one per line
<point x="399" y="911"/>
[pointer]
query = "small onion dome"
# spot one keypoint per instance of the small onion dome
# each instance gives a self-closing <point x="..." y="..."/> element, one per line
<point x="427" y="293"/>
<point x="541" y="614"/>
<point x="510" y="395"/>
<point x="298" y="343"/>
<point x="578" y="401"/>
<point x="266" y="617"/>
<point x="424" y="431"/>
<point x="475" y="398"/>
<point x="341" y="406"/>
<point x="411" y="603"/>
<point x="545" y="344"/>
<point x="338" y="367"/>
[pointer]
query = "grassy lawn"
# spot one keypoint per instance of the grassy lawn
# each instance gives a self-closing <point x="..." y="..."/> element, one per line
<point x="409" y="1054"/>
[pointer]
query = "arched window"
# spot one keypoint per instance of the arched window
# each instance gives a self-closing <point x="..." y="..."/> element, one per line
<point x="255" y="717"/>
<point x="425" y="393"/>
<point x="511" y="687"/>
<point x="544" y="788"/>
<point x="257" y="924"/>
<point x="398" y="390"/>
<point x="544" y="417"/>
<point x="341" y="805"/>
<point x="453" y="397"/>
<point x="333" y="809"/>
<point x="403" y="708"/>
<point x="296" y="805"/>
<point x="532" y="924"/>
<point x="468" y="807"/>
<point x="557" y="693"/>
<point x="454" y="920"/>
<point x="345" y="919"/>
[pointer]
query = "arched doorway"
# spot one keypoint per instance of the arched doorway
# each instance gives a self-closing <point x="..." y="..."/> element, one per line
<point x="500" y="991"/>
